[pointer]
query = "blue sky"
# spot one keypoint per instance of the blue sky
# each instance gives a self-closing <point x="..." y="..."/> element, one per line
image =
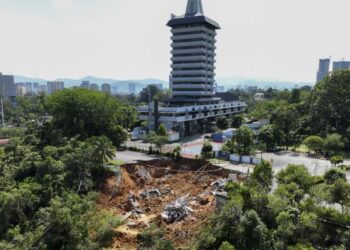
<point x="128" y="39"/>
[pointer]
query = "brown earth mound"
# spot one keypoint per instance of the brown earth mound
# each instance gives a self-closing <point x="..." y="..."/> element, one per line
<point x="172" y="180"/>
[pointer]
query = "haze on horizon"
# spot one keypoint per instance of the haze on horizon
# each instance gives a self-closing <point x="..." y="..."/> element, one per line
<point x="128" y="39"/>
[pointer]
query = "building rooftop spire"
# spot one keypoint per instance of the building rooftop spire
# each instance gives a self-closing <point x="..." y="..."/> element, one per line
<point x="194" y="7"/>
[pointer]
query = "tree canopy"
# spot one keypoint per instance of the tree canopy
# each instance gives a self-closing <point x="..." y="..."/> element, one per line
<point x="88" y="113"/>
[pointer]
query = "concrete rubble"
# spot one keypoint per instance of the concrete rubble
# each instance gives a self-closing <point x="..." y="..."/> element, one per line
<point x="219" y="184"/>
<point x="177" y="195"/>
<point x="176" y="210"/>
<point x="134" y="204"/>
<point x="150" y="193"/>
<point x="143" y="174"/>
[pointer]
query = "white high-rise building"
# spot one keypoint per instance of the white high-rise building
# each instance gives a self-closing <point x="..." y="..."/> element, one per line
<point x="54" y="86"/>
<point x="106" y="88"/>
<point x="323" y="69"/>
<point x="94" y="87"/>
<point x="193" y="53"/>
<point x="341" y="65"/>
<point x="7" y="87"/>
<point x="193" y="104"/>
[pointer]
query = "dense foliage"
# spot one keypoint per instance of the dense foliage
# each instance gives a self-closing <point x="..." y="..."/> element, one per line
<point x="87" y="113"/>
<point x="52" y="167"/>
<point x="322" y="112"/>
<point x="300" y="213"/>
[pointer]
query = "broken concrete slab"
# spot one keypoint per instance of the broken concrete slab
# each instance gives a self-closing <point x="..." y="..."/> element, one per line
<point x="150" y="193"/>
<point x="177" y="210"/>
<point x="219" y="184"/>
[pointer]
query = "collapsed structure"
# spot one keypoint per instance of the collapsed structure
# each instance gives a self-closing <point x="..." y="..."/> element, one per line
<point x="178" y="195"/>
<point x="192" y="80"/>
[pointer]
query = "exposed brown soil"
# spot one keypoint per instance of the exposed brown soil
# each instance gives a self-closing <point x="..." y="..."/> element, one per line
<point x="173" y="180"/>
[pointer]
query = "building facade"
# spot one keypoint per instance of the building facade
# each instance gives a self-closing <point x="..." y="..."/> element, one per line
<point x="85" y="84"/>
<point x="341" y="65"/>
<point x="42" y="89"/>
<point x="193" y="103"/>
<point x="54" y="86"/>
<point x="106" y="88"/>
<point x="7" y="87"/>
<point x="323" y="69"/>
<point x="94" y="87"/>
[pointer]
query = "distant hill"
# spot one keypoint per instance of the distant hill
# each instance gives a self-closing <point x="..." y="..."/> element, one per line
<point x="234" y="82"/>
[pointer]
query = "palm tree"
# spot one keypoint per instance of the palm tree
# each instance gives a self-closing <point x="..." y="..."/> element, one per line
<point x="103" y="149"/>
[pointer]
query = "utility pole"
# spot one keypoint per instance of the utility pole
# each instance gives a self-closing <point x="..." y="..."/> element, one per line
<point x="149" y="110"/>
<point x="2" y="113"/>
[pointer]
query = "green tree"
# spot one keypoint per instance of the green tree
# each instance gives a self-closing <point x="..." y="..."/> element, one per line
<point x="161" y="130"/>
<point x="297" y="174"/>
<point x="266" y="136"/>
<point x="103" y="150"/>
<point x="262" y="176"/>
<point x="285" y="119"/>
<point x="148" y="93"/>
<point x="222" y="123"/>
<point x="329" y="104"/>
<point x="226" y="246"/>
<point x="117" y="135"/>
<point x="340" y="192"/>
<point x="333" y="175"/>
<point x="337" y="159"/>
<point x="177" y="153"/>
<point x="255" y="234"/>
<point x="85" y="113"/>
<point x="301" y="247"/>
<point x="245" y="140"/>
<point x="153" y="238"/>
<point x="333" y="144"/>
<point x="160" y="141"/>
<point x="237" y="121"/>
<point x="207" y="151"/>
<point x="314" y="143"/>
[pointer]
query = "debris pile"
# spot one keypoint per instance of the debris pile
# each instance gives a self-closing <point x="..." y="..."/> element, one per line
<point x="178" y="195"/>
<point x="177" y="210"/>
<point x="134" y="204"/>
<point x="219" y="184"/>
<point x="150" y="193"/>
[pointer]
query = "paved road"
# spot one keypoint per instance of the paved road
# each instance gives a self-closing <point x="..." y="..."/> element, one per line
<point x="279" y="161"/>
<point x="131" y="157"/>
<point x="314" y="165"/>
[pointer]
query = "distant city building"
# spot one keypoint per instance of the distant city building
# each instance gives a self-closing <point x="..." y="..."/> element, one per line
<point x="7" y="87"/>
<point x="323" y="69"/>
<point x="41" y="89"/>
<point x="85" y="84"/>
<point x="220" y="89"/>
<point x="21" y="90"/>
<point x="115" y="89"/>
<point x="54" y="86"/>
<point x="31" y="88"/>
<point x="35" y="88"/>
<point x="132" y="88"/>
<point x="94" y="86"/>
<point x="106" y="88"/>
<point x="259" y="97"/>
<point x="341" y="65"/>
